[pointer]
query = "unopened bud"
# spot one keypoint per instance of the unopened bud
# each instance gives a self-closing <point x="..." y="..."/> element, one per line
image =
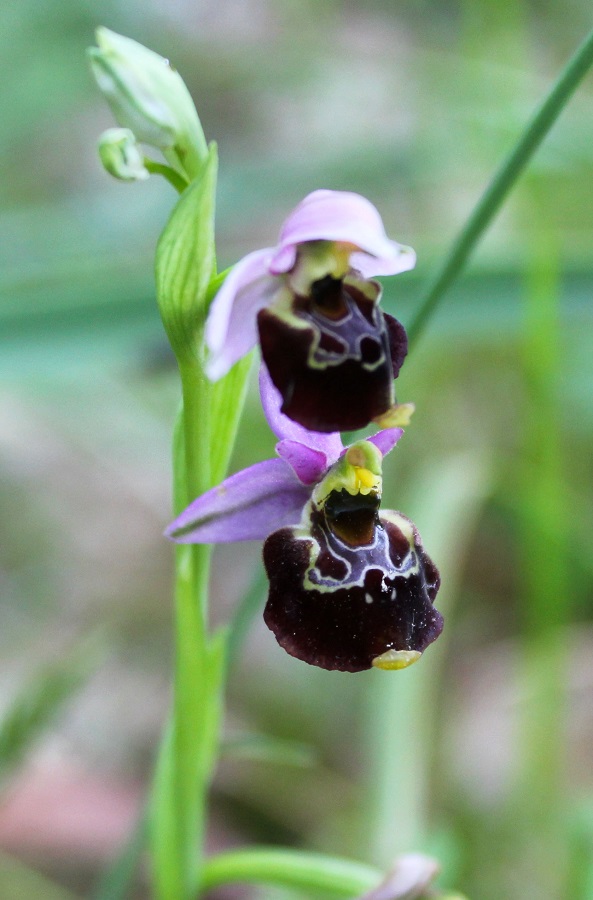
<point x="150" y="98"/>
<point x="120" y="155"/>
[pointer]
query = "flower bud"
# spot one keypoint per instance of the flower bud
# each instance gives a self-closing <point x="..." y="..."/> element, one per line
<point x="120" y="155"/>
<point x="149" y="97"/>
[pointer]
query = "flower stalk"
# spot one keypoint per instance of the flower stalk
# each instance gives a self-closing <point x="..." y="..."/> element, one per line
<point x="289" y="868"/>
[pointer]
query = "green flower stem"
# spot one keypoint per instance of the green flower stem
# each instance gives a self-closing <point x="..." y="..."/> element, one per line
<point x="198" y="658"/>
<point x="184" y="265"/>
<point x="190" y="702"/>
<point x="502" y="183"/>
<point x="204" y="436"/>
<point x="155" y="168"/>
<point x="197" y="402"/>
<point x="292" y="869"/>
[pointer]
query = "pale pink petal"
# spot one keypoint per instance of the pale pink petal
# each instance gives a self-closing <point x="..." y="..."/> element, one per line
<point x="397" y="259"/>
<point x="346" y="217"/>
<point x="231" y="327"/>
<point x="284" y="428"/>
<point x="248" y="506"/>
<point x="386" y="440"/>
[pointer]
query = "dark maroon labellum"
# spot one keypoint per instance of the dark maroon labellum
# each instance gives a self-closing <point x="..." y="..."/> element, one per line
<point x="358" y="585"/>
<point x="334" y="356"/>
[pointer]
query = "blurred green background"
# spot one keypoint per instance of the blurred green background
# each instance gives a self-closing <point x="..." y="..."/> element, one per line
<point x="482" y="754"/>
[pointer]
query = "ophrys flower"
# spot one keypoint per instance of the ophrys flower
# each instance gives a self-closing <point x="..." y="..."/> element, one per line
<point x="350" y="584"/>
<point x="329" y="348"/>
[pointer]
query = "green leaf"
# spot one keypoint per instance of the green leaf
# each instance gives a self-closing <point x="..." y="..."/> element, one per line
<point x="245" y="612"/>
<point x="185" y="263"/>
<point x="228" y="397"/>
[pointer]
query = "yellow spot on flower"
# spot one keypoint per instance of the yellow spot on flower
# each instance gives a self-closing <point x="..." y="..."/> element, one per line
<point x="396" y="659"/>
<point x="364" y="477"/>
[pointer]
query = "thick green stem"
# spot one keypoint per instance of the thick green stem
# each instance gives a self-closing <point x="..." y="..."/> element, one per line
<point x="502" y="183"/>
<point x="197" y="400"/>
<point x="189" y="751"/>
<point x="196" y="692"/>
<point x="293" y="869"/>
<point x="204" y="437"/>
<point x="190" y="680"/>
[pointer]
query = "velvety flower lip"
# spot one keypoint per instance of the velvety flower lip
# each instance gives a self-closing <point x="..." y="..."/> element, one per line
<point x="345" y="220"/>
<point x="269" y="495"/>
<point x="351" y="586"/>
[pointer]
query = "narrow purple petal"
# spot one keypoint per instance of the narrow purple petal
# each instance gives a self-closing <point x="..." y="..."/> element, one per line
<point x="346" y="217"/>
<point x="309" y="465"/>
<point x="248" y="506"/>
<point x="231" y="328"/>
<point x="386" y="440"/>
<point x="284" y="428"/>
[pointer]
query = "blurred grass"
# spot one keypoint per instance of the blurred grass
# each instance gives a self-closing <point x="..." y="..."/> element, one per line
<point x="37" y="705"/>
<point x="414" y="105"/>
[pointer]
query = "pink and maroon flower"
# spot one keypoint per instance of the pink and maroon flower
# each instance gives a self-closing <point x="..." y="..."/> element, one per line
<point x="350" y="584"/>
<point x="329" y="348"/>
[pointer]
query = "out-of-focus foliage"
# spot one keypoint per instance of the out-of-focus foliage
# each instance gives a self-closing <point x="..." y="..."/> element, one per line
<point x="413" y="105"/>
<point x="36" y="706"/>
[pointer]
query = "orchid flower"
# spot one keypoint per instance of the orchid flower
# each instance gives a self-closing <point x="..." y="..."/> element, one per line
<point x="330" y="350"/>
<point x="350" y="585"/>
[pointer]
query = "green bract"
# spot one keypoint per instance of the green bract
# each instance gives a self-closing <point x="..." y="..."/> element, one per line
<point x="185" y="262"/>
<point x="149" y="97"/>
